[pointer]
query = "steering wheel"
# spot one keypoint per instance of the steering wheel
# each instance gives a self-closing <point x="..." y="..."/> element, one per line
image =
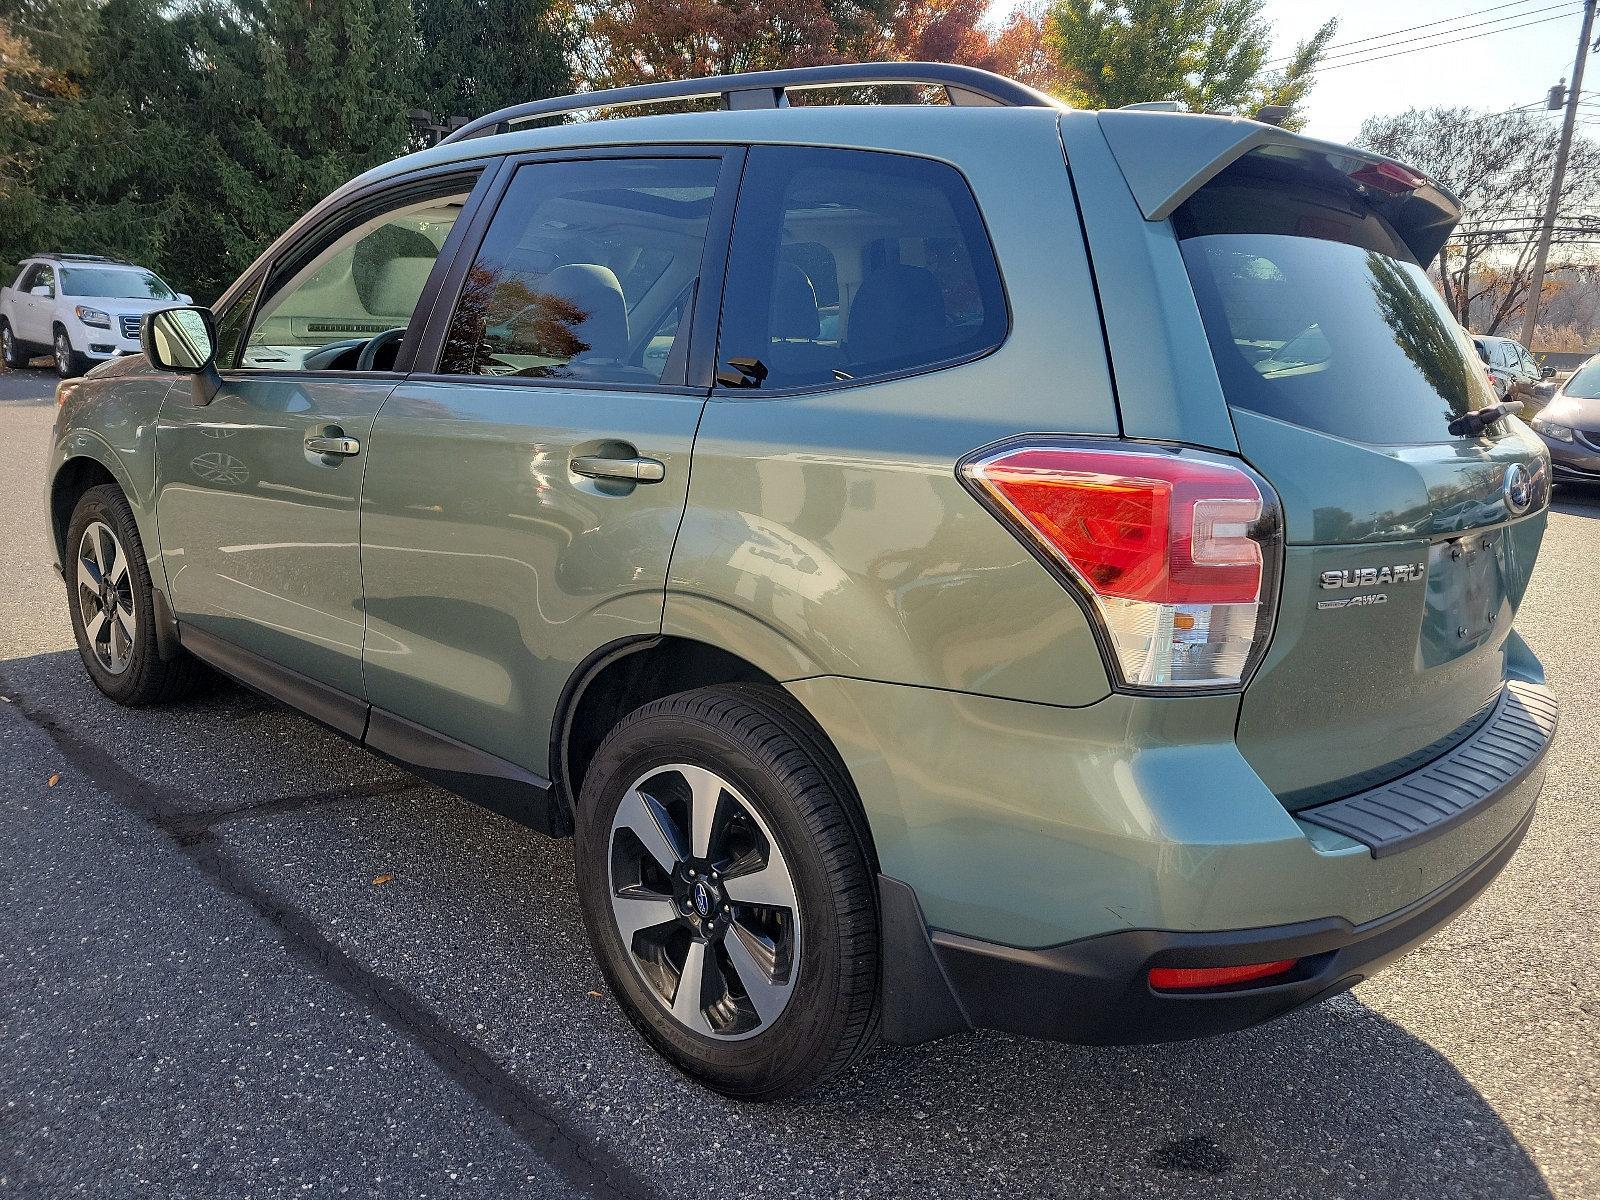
<point x="369" y="352"/>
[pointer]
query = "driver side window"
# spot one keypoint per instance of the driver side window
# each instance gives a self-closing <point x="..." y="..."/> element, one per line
<point x="345" y="302"/>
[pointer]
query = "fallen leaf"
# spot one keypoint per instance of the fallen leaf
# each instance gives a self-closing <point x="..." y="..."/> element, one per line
<point x="597" y="995"/>
<point x="382" y="879"/>
<point x="54" y="779"/>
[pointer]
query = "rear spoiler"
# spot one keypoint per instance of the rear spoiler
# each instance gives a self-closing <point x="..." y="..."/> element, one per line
<point x="1167" y="157"/>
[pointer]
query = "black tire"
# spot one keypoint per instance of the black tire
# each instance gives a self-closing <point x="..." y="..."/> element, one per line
<point x="148" y="679"/>
<point x="69" y="363"/>
<point x="14" y="352"/>
<point x="758" y="740"/>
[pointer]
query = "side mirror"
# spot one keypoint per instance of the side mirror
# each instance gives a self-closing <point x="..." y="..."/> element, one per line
<point x="185" y="298"/>
<point x="1547" y="373"/>
<point x="183" y="341"/>
<point x="43" y="290"/>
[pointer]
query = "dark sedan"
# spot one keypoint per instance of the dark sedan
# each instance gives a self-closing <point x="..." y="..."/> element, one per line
<point x="1570" y="425"/>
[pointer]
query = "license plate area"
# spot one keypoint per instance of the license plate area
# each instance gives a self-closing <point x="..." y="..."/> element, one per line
<point x="1466" y="595"/>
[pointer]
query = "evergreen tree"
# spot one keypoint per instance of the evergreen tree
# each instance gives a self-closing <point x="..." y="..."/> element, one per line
<point x="1210" y="54"/>
<point x="480" y="55"/>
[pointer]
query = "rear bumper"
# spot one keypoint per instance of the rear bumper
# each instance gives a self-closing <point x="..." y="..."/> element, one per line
<point x="1097" y="990"/>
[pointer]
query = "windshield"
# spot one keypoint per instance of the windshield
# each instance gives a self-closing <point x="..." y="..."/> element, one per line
<point x="124" y="282"/>
<point x="1317" y="314"/>
<point x="1585" y="382"/>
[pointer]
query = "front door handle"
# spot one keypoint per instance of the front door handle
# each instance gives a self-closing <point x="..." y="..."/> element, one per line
<point x="342" y="447"/>
<point x="631" y="470"/>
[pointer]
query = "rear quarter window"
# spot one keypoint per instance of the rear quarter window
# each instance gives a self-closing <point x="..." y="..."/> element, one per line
<point x="1317" y="314"/>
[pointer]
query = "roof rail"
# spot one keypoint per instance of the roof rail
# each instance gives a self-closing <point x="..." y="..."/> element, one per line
<point x="768" y="89"/>
<point x="80" y="257"/>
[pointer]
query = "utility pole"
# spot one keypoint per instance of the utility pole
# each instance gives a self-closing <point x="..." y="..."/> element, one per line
<point x="1536" y="284"/>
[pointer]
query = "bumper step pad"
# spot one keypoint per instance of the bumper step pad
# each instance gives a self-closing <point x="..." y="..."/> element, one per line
<point x="1423" y="804"/>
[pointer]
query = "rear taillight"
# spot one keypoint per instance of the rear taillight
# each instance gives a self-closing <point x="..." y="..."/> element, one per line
<point x="1176" y="552"/>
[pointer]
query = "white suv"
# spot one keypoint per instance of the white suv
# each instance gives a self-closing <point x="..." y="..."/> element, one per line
<point x="82" y="307"/>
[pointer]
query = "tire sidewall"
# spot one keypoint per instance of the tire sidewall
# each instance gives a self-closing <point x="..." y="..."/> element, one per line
<point x="12" y="353"/>
<point x="105" y="503"/>
<point x="806" y="1026"/>
<point x="66" y="364"/>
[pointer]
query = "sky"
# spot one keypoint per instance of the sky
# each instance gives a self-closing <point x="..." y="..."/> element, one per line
<point x="1504" y="69"/>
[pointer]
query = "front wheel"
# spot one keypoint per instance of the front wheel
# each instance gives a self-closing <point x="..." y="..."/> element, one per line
<point x="112" y="605"/>
<point x="69" y="363"/>
<point x="726" y="887"/>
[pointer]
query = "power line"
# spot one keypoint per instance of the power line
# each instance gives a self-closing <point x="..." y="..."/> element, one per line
<point x="1438" y="45"/>
<point x="1379" y="37"/>
<point x="1387" y="43"/>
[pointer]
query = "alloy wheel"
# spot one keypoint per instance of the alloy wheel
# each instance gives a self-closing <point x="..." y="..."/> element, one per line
<point x="704" y="902"/>
<point x="63" y="354"/>
<point x="8" y="345"/>
<point x="105" y="597"/>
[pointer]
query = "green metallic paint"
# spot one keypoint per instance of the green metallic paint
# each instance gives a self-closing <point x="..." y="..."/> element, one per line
<point x="1031" y="825"/>
<point x="1346" y="691"/>
<point x="1167" y="387"/>
<point x="827" y="534"/>
<point x="491" y="569"/>
<point x="109" y="417"/>
<point x="262" y="537"/>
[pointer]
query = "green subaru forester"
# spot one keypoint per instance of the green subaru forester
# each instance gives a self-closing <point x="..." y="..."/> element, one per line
<point x="957" y="564"/>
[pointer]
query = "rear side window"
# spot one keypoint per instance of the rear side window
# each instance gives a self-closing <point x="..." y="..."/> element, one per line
<point x="851" y="265"/>
<point x="1318" y="315"/>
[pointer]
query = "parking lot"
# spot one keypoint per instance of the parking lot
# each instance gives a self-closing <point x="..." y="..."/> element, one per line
<point x="243" y="957"/>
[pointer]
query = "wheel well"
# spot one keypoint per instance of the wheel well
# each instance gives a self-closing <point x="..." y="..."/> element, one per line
<point x="621" y="678"/>
<point x="75" y="478"/>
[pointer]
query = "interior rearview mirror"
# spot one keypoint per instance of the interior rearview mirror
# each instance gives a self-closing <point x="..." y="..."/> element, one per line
<point x="184" y="341"/>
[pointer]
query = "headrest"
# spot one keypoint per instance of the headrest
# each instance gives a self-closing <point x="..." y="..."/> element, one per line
<point x="397" y="285"/>
<point x="590" y="308"/>
<point x="794" y="306"/>
<point x="898" y="313"/>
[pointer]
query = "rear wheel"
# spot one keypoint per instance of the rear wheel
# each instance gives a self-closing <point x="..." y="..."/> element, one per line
<point x="113" y="605"/>
<point x="726" y="887"/>
<point x="11" y="349"/>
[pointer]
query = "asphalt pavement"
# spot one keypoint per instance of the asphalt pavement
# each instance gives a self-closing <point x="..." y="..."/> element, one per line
<point x="241" y="957"/>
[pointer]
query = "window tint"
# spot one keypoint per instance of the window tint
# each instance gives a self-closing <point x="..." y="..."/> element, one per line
<point x="230" y="325"/>
<point x="587" y="271"/>
<point x="851" y="265"/>
<point x="1339" y="331"/>
<point x="319" y="311"/>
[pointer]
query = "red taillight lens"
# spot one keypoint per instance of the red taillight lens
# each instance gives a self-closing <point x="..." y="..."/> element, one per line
<point x="1192" y="978"/>
<point x="1388" y="177"/>
<point x="1139" y="526"/>
<point x="1171" y="547"/>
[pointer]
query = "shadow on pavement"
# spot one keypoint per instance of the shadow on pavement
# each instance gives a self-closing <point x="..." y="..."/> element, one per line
<point x="477" y="938"/>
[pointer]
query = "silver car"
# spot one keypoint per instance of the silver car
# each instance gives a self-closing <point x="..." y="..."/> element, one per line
<point x="1570" y="425"/>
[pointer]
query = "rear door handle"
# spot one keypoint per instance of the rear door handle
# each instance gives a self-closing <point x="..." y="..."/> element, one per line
<point x="632" y="470"/>
<point x="343" y="447"/>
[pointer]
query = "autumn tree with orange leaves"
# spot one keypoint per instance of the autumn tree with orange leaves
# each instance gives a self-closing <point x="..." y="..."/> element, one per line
<point x="636" y="41"/>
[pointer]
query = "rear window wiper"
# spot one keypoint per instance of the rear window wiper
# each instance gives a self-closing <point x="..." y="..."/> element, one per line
<point x="1474" y="423"/>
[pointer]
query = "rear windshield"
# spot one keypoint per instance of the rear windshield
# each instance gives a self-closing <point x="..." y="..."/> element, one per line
<point x="1318" y="315"/>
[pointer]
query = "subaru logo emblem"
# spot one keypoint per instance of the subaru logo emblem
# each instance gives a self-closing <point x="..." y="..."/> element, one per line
<point x="1518" y="489"/>
<point x="702" y="899"/>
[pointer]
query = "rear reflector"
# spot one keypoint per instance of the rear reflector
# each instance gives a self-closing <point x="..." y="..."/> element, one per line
<point x="1176" y="551"/>
<point x="1191" y="978"/>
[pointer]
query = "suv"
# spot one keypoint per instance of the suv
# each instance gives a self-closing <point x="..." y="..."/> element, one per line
<point x="81" y="307"/>
<point x="976" y="564"/>
<point x="1510" y="368"/>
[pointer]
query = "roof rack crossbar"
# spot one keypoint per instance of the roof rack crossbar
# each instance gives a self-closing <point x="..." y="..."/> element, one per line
<point x="769" y="89"/>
